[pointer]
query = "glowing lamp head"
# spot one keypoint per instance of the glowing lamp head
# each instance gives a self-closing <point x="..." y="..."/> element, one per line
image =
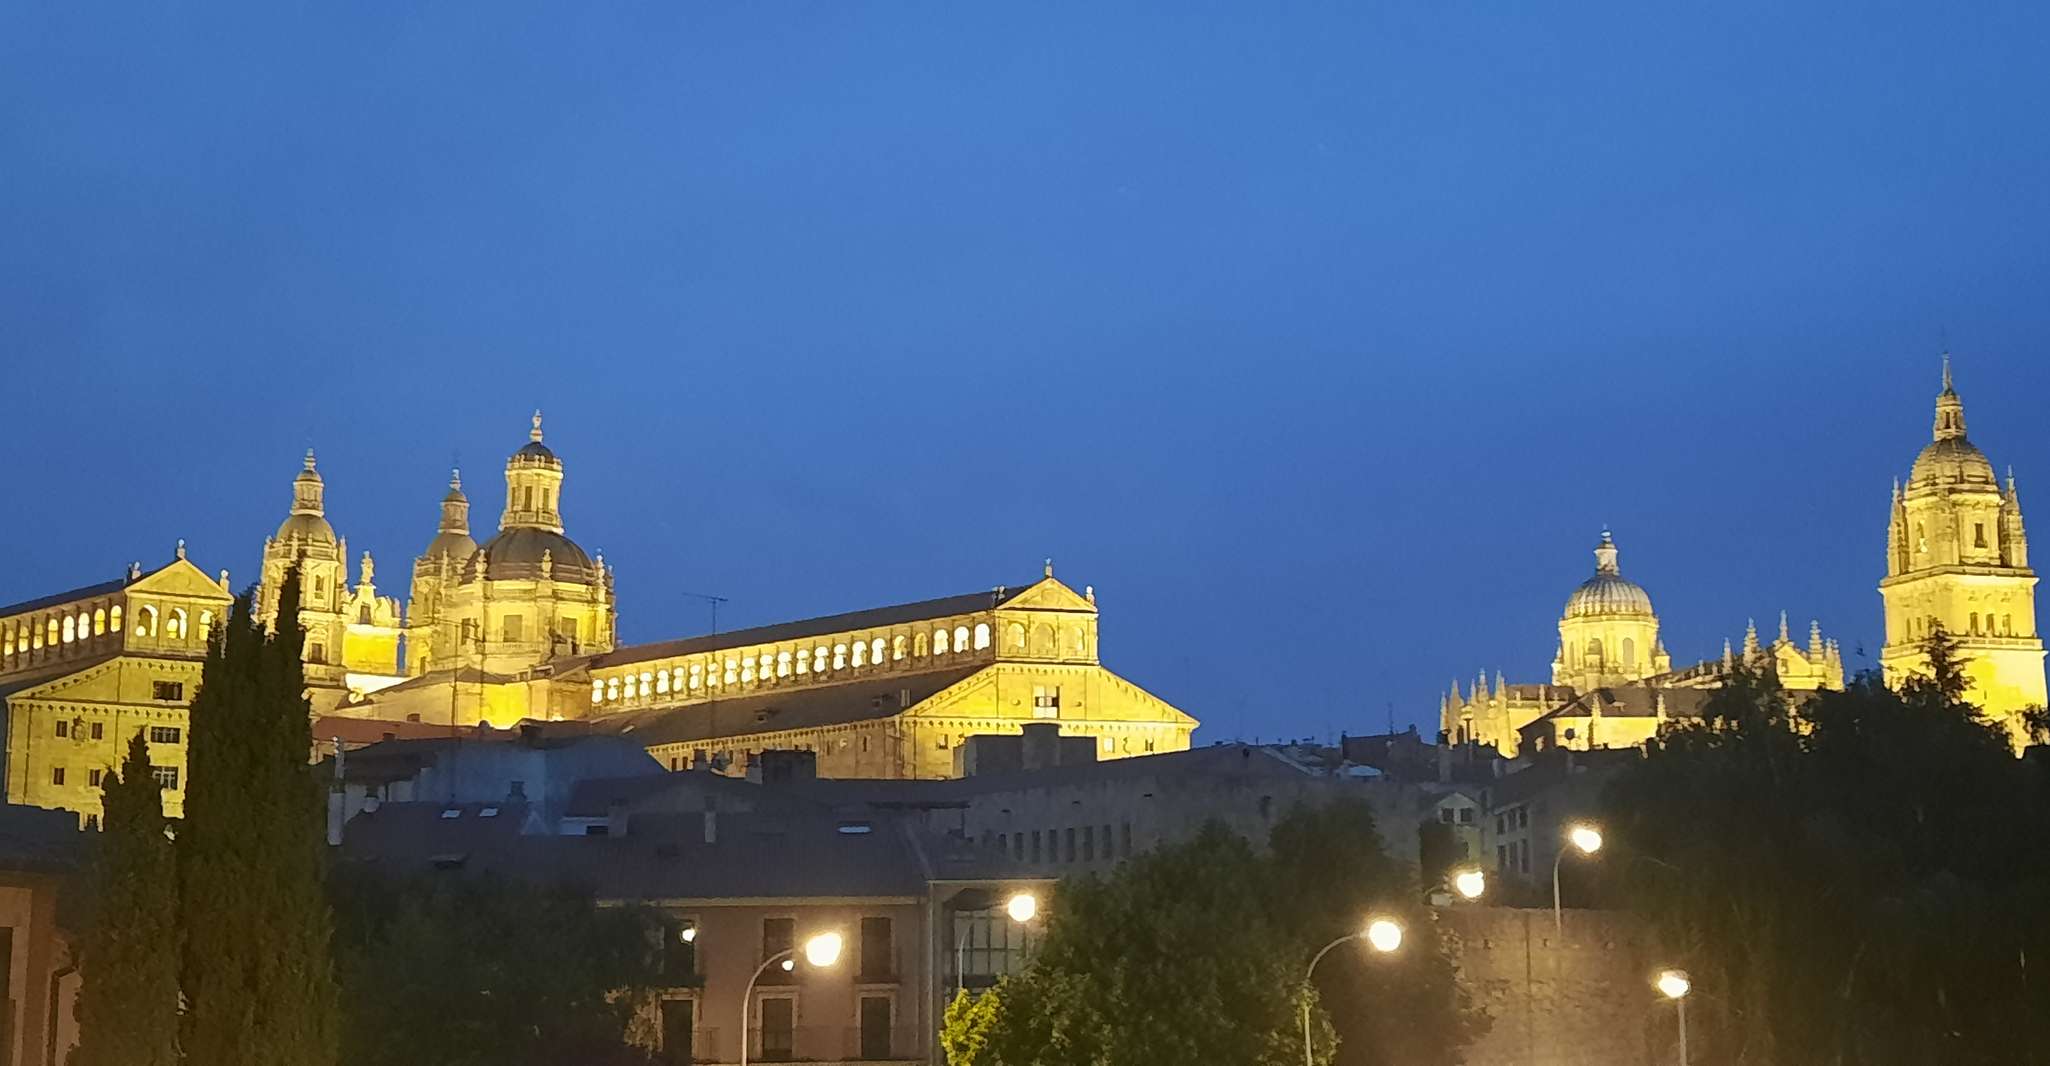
<point x="1586" y="837"/>
<point x="688" y="934"/>
<point x="1022" y="907"/>
<point x="1384" y="934"/>
<point x="1674" y="984"/>
<point x="788" y="965"/>
<point x="823" y="949"/>
<point x="1470" y="883"/>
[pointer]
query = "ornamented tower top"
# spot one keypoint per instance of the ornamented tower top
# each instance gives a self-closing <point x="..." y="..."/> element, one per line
<point x="533" y="486"/>
<point x="1958" y="556"/>
<point x="1608" y="633"/>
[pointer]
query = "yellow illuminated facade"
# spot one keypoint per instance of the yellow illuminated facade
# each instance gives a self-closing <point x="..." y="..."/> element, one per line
<point x="1613" y="684"/>
<point x="352" y="633"/>
<point x="82" y="671"/>
<point x="524" y="626"/>
<point x="1957" y="556"/>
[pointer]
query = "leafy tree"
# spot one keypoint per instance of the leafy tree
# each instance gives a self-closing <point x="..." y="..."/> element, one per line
<point x="257" y="975"/>
<point x="482" y="971"/>
<point x="1405" y="1008"/>
<point x="1856" y="880"/>
<point x="1196" y="952"/>
<point x="128" y="959"/>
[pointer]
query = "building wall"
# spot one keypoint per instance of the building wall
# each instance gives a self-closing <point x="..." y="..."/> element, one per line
<point x="98" y="709"/>
<point x="1581" y="999"/>
<point x="728" y="949"/>
<point x="41" y="986"/>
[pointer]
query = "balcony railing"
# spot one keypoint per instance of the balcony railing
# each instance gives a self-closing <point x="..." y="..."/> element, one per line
<point x="827" y="1043"/>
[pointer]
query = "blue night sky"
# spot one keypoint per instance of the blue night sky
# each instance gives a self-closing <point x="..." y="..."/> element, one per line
<point x="1321" y="339"/>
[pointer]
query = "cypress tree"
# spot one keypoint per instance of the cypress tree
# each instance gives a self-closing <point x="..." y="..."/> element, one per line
<point x="128" y="961"/>
<point x="258" y="975"/>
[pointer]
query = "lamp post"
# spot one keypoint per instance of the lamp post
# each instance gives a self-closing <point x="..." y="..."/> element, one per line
<point x="1589" y="840"/>
<point x="1674" y="985"/>
<point x="1382" y="934"/>
<point x="822" y="950"/>
<point x="1021" y="908"/>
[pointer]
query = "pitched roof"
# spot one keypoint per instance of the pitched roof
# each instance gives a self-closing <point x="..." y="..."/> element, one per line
<point x="946" y="606"/>
<point x="659" y="856"/>
<point x="81" y="593"/>
<point x="856" y="700"/>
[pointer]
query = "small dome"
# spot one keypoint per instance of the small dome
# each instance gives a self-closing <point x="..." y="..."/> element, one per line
<point x="306" y="529"/>
<point x="457" y="546"/>
<point x="534" y="450"/>
<point x="1608" y="593"/>
<point x="515" y="554"/>
<point x="1951" y="461"/>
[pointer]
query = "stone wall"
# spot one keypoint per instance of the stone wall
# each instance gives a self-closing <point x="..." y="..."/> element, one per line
<point x="1584" y="998"/>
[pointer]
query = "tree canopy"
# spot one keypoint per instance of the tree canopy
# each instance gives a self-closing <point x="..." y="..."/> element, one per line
<point x="128" y="958"/>
<point x="1859" y="879"/>
<point x="1196" y="953"/>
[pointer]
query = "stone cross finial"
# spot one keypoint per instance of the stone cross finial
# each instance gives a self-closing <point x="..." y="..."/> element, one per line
<point x="535" y="433"/>
<point x="181" y="547"/>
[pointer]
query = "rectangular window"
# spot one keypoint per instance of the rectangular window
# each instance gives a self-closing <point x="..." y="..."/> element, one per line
<point x="778" y="1036"/>
<point x="680" y="951"/>
<point x="1466" y="816"/>
<point x="1035" y="845"/>
<point x="57" y="775"/>
<point x="164" y="734"/>
<point x="878" y="950"/>
<point x="513" y="625"/>
<point x="99" y="730"/>
<point x="92" y="777"/>
<point x="778" y="936"/>
<point x="1501" y="823"/>
<point x="1046" y="701"/>
<point x="1523" y="817"/>
<point x="679" y="1028"/>
<point x="1445" y="815"/>
<point x="171" y="691"/>
<point x="1523" y="855"/>
<point x="63" y="727"/>
<point x="1978" y="534"/>
<point x="167" y="777"/>
<point x="1088" y="843"/>
<point x="875" y="1027"/>
<point x="1071" y="843"/>
<point x="1501" y="856"/>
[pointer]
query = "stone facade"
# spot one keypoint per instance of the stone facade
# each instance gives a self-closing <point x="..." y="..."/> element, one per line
<point x="1581" y="999"/>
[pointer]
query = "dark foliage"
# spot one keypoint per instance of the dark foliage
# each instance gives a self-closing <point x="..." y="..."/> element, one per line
<point x="128" y="959"/>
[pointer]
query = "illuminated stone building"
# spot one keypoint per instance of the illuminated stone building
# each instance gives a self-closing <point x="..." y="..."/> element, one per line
<point x="1957" y="556"/>
<point x="83" y="670"/>
<point x="524" y="626"/>
<point x="1613" y="684"/>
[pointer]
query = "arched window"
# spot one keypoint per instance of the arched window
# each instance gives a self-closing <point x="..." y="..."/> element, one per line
<point x="70" y="629"/>
<point x="1629" y="653"/>
<point x="1594" y="651"/>
<point x="99" y="620"/>
<point x="114" y="618"/>
<point x="1043" y="639"/>
<point x="1078" y="645"/>
<point x="177" y="627"/>
<point x="839" y="656"/>
<point x="85" y="622"/>
<point x="981" y="635"/>
<point x="363" y="615"/>
<point x="803" y="662"/>
<point x="697" y="676"/>
<point x="146" y="621"/>
<point x="747" y="670"/>
<point x="732" y="671"/>
<point x="1014" y="635"/>
<point x="662" y="682"/>
<point x="612" y="690"/>
<point x="597" y="691"/>
<point x="897" y="647"/>
<point x="1921" y="538"/>
<point x="818" y="659"/>
<point x="2007" y="625"/>
<point x="782" y="664"/>
<point x="1975" y="623"/>
<point x="960" y="638"/>
<point x="875" y="651"/>
<point x="939" y="642"/>
<point x="50" y="636"/>
<point x="860" y="653"/>
<point x="918" y="645"/>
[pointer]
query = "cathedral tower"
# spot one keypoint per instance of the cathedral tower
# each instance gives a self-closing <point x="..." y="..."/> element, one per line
<point x="307" y="540"/>
<point x="1608" y="634"/>
<point x="431" y="633"/>
<point x="1957" y="555"/>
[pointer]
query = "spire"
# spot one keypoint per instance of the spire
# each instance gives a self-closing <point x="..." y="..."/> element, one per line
<point x="1729" y="658"/>
<point x="1605" y="554"/>
<point x="1784" y="638"/>
<point x="1750" y="637"/>
<point x="1950" y="411"/>
<point x="455" y="507"/>
<point x="308" y="490"/>
<point x="1480" y="687"/>
<point x="535" y="433"/>
<point x="1815" y="638"/>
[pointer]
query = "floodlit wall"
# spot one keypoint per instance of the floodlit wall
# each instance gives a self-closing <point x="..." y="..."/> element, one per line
<point x="1584" y="999"/>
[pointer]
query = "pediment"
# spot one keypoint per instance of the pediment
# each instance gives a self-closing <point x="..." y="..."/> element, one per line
<point x="1049" y="595"/>
<point x="179" y="578"/>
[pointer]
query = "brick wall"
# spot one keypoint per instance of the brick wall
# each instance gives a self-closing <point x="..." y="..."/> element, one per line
<point x="1581" y="999"/>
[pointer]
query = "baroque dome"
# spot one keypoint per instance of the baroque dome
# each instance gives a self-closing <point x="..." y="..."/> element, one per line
<point x="307" y="523"/>
<point x="516" y="554"/>
<point x="307" y="528"/>
<point x="1952" y="460"/>
<point x="1608" y="593"/>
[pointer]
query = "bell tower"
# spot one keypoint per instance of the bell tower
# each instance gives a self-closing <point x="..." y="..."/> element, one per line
<point x="1957" y="555"/>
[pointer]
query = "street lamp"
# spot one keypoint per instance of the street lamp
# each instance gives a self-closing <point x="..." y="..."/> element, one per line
<point x="1674" y="985"/>
<point x="1021" y="908"/>
<point x="1382" y="934"/>
<point x="1470" y="883"/>
<point x="1588" y="840"/>
<point x="822" y="951"/>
